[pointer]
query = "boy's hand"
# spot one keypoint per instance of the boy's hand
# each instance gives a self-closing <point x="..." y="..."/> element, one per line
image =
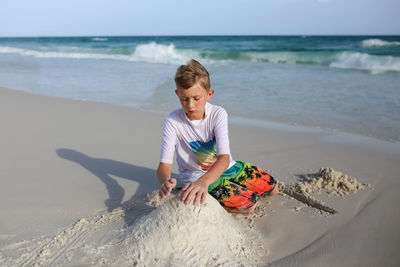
<point x="197" y="189"/>
<point x="166" y="188"/>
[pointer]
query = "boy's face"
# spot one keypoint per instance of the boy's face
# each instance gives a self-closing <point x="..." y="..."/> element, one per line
<point x="193" y="100"/>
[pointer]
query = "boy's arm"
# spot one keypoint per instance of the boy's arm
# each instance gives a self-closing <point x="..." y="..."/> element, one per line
<point x="169" y="141"/>
<point x="163" y="175"/>
<point x="199" y="188"/>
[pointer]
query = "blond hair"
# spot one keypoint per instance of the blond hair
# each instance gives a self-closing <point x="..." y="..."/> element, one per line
<point x="190" y="74"/>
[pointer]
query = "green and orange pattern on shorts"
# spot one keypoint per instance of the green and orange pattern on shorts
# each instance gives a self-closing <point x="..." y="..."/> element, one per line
<point x="241" y="185"/>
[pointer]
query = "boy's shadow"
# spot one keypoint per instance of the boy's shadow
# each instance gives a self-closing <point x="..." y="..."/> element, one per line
<point x="104" y="168"/>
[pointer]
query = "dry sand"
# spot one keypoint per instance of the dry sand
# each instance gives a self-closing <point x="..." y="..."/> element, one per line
<point x="327" y="179"/>
<point x="74" y="176"/>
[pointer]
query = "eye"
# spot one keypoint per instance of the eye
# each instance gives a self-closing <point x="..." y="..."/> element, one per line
<point x="197" y="98"/>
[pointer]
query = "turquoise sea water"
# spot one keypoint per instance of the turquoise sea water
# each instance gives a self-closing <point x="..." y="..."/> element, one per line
<point x="349" y="83"/>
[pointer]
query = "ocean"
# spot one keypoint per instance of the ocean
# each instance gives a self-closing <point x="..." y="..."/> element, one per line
<point x="346" y="83"/>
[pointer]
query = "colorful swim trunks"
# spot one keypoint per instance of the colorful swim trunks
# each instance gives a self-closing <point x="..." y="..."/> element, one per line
<point x="241" y="186"/>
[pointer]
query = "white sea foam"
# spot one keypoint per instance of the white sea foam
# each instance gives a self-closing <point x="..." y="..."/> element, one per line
<point x="158" y="53"/>
<point x="273" y="57"/>
<point x="168" y="54"/>
<point x="151" y="53"/>
<point x="318" y="58"/>
<point x="53" y="54"/>
<point x="63" y="49"/>
<point x="362" y="61"/>
<point x="99" y="39"/>
<point x="378" y="43"/>
<point x="344" y="60"/>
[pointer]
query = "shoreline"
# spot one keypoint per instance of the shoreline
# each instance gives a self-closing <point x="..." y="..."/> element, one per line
<point x="241" y="121"/>
<point x="64" y="161"/>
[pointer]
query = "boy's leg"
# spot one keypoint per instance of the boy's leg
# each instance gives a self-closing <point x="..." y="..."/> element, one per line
<point x="241" y="211"/>
<point x="255" y="179"/>
<point x="234" y="198"/>
<point x="275" y="190"/>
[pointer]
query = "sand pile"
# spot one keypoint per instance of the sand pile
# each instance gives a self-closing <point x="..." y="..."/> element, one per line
<point x="333" y="182"/>
<point x="176" y="234"/>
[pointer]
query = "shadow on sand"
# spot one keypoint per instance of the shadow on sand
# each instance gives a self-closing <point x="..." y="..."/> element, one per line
<point x="104" y="168"/>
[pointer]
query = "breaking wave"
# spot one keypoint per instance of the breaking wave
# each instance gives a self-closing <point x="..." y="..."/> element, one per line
<point x="150" y="53"/>
<point x="99" y="39"/>
<point x="378" y="43"/>
<point x="362" y="61"/>
<point x="168" y="54"/>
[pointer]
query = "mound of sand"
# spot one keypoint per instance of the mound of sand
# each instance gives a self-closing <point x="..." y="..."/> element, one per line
<point x="333" y="182"/>
<point x="176" y="234"/>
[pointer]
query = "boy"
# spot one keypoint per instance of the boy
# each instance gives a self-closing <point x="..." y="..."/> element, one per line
<point x="198" y="133"/>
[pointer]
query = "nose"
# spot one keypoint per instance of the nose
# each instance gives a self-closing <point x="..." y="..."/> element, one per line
<point x="190" y="103"/>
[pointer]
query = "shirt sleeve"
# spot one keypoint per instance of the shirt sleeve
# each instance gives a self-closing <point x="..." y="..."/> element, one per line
<point x="221" y="133"/>
<point x="169" y="141"/>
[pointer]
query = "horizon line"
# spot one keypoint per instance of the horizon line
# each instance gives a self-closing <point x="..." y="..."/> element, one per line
<point x="201" y="35"/>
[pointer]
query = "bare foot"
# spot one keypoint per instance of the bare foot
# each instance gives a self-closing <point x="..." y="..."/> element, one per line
<point x="241" y="211"/>
<point x="274" y="191"/>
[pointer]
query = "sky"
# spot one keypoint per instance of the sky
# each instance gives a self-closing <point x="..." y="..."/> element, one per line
<point x="20" y="18"/>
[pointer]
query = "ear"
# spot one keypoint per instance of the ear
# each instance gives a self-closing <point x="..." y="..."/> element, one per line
<point x="210" y="94"/>
<point x="176" y="92"/>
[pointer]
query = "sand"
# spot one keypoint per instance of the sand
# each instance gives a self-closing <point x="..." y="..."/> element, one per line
<point x="75" y="176"/>
<point x="331" y="181"/>
<point x="185" y="235"/>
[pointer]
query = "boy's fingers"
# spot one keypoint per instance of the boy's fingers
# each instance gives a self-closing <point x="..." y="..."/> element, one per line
<point x="197" y="199"/>
<point x="169" y="185"/>
<point x="172" y="181"/>
<point x="185" y="187"/>
<point x="185" y="194"/>
<point x="162" y="188"/>
<point x="187" y="200"/>
<point x="161" y="194"/>
<point x="164" y="192"/>
<point x="189" y="197"/>
<point x="203" y="198"/>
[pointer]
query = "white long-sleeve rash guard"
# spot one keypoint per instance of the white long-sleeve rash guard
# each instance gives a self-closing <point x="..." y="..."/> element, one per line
<point x="197" y="143"/>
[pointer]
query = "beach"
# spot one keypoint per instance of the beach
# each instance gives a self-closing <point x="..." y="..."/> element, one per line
<point x="75" y="175"/>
